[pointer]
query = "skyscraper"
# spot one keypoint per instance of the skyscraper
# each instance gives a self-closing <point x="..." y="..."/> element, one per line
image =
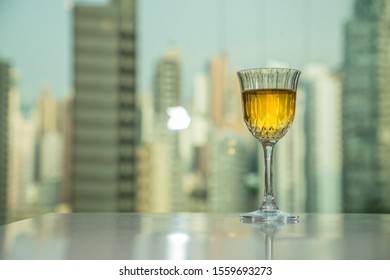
<point x="321" y="89"/>
<point x="166" y="162"/>
<point x="200" y="132"/>
<point x="218" y="71"/>
<point x="65" y="120"/>
<point x="366" y="114"/>
<point x="5" y="82"/>
<point x="49" y="143"/>
<point x="22" y="194"/>
<point x="167" y="83"/>
<point x="104" y="136"/>
<point x="200" y="110"/>
<point x="228" y="166"/>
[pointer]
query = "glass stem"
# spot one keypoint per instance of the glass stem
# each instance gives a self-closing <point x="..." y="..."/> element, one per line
<point x="268" y="200"/>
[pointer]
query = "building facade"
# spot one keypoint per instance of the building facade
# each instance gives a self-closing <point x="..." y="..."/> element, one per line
<point x="321" y="89"/>
<point x="5" y="84"/>
<point x="227" y="170"/>
<point x="49" y="150"/>
<point x="22" y="162"/>
<point x="104" y="112"/>
<point x="166" y="158"/>
<point x="366" y="99"/>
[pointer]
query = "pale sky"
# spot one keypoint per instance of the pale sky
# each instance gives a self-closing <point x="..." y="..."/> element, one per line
<point x="35" y="35"/>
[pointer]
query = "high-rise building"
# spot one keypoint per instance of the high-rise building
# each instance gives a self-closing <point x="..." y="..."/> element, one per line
<point x="321" y="89"/>
<point x="366" y="115"/>
<point x="200" y="110"/>
<point x="49" y="154"/>
<point x="22" y="194"/>
<point x="65" y="127"/>
<point x="167" y="161"/>
<point x="167" y="83"/>
<point x="218" y="71"/>
<point x="5" y="83"/>
<point x="46" y="112"/>
<point x="227" y="169"/>
<point x="15" y="124"/>
<point x="104" y="112"/>
<point x="143" y="196"/>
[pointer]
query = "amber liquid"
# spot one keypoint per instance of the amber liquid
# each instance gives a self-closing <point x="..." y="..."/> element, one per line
<point x="268" y="113"/>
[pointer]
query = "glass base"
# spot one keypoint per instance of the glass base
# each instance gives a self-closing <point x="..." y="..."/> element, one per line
<point x="259" y="216"/>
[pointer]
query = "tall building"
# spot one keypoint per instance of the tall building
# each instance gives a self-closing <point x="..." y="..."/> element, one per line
<point x="143" y="201"/>
<point x="167" y="83"/>
<point x="49" y="143"/>
<point x="218" y="71"/>
<point x="22" y="194"/>
<point x="200" y="134"/>
<point x="366" y="115"/>
<point x="5" y="83"/>
<point x="323" y="122"/>
<point x="66" y="129"/>
<point x="46" y="112"/>
<point x="14" y="120"/>
<point x="200" y="111"/>
<point x="166" y="162"/>
<point x="228" y="167"/>
<point x="104" y="113"/>
<point x="143" y="197"/>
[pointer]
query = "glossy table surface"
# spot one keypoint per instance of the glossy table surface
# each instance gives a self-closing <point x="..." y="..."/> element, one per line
<point x="199" y="236"/>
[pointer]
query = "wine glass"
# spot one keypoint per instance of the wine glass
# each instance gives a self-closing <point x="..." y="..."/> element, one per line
<point x="268" y="106"/>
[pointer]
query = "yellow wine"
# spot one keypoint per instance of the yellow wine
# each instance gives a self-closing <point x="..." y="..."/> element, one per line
<point x="268" y="113"/>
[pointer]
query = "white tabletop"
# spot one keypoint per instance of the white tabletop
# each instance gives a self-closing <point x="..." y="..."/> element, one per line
<point x="195" y="236"/>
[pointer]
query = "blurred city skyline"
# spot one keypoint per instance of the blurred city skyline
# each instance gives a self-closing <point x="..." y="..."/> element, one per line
<point x="36" y="37"/>
<point x="111" y="146"/>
